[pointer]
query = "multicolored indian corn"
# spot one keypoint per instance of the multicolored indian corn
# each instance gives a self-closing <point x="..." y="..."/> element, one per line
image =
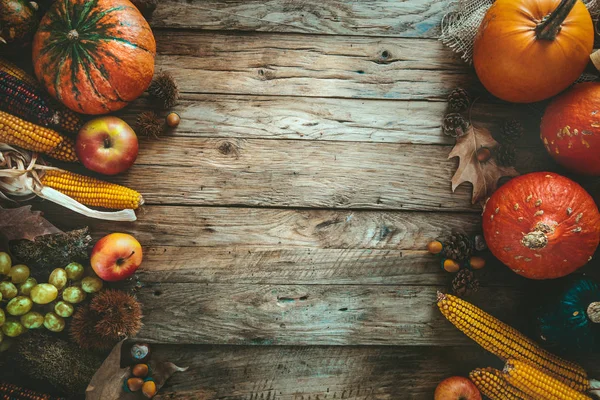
<point x="13" y="392"/>
<point x="537" y="384"/>
<point x="492" y="384"/>
<point x="18" y="132"/>
<point x="21" y="95"/>
<point x="91" y="191"/>
<point x="508" y="343"/>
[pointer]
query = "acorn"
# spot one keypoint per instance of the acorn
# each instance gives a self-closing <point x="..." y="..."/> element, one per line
<point x="483" y="154"/>
<point x="140" y="370"/>
<point x="449" y="265"/>
<point x="133" y="384"/>
<point x="173" y="119"/>
<point x="149" y="389"/>
<point x="140" y="352"/>
<point x="476" y="262"/>
<point x="434" y="247"/>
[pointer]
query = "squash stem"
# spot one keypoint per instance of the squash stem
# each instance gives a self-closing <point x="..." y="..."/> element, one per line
<point x="593" y="312"/>
<point x="551" y="25"/>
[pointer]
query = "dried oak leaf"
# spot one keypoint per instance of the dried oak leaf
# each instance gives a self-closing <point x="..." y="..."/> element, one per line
<point x="22" y="223"/>
<point x="483" y="175"/>
<point x="107" y="382"/>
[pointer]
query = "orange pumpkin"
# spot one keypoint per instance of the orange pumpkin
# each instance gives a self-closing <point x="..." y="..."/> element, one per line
<point x="95" y="56"/>
<point x="530" y="50"/>
<point x="542" y="225"/>
<point x="570" y="129"/>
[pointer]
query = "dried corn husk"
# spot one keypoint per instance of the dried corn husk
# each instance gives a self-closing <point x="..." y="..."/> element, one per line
<point x="20" y="173"/>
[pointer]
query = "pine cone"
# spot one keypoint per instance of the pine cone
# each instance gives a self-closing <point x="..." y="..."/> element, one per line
<point x="458" y="247"/>
<point x="458" y="100"/>
<point x="511" y="131"/>
<point x="454" y="125"/>
<point x="506" y="155"/>
<point x="464" y="283"/>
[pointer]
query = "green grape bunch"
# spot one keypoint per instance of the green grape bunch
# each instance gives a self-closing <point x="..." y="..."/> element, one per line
<point x="27" y="304"/>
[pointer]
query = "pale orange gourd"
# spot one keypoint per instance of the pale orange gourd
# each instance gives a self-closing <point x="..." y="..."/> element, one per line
<point x="530" y="50"/>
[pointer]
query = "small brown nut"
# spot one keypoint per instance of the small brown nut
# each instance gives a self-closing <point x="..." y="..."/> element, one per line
<point x="149" y="389"/>
<point x="450" y="265"/>
<point x="173" y="120"/>
<point x="135" y="384"/>
<point x="434" y="247"/>
<point x="140" y="370"/>
<point x="483" y="154"/>
<point x="477" y="262"/>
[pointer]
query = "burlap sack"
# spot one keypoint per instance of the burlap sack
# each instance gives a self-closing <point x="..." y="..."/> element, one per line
<point x="460" y="26"/>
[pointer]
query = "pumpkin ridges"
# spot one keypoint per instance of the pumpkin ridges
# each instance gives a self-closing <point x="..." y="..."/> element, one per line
<point x="112" y="62"/>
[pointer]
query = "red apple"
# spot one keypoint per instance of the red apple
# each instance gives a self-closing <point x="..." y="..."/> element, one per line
<point x="456" y="388"/>
<point x="107" y="145"/>
<point x="116" y="257"/>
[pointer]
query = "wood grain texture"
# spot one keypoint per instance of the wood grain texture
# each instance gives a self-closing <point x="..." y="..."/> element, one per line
<point x="263" y="246"/>
<point x="305" y="174"/>
<point x="323" y="119"/>
<point x="411" y="18"/>
<point x="311" y="373"/>
<point x="322" y="66"/>
<point x="227" y="227"/>
<point x="307" y="314"/>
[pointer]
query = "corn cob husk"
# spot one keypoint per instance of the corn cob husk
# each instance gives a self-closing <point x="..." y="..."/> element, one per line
<point x="22" y="95"/>
<point x="492" y="384"/>
<point x="18" y="132"/>
<point x="22" y="177"/>
<point x="508" y="343"/>
<point x="13" y="392"/>
<point x="537" y="384"/>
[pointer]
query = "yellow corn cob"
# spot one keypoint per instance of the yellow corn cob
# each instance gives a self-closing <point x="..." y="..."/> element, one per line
<point x="18" y="73"/>
<point x="92" y="192"/>
<point x="537" y="384"/>
<point x="17" y="132"/>
<point x="506" y="342"/>
<point x="492" y="384"/>
<point x="65" y="151"/>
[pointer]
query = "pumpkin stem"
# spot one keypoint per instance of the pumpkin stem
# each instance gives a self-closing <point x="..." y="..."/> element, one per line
<point x="73" y="35"/>
<point x="551" y="24"/>
<point x="593" y="312"/>
<point x="535" y="240"/>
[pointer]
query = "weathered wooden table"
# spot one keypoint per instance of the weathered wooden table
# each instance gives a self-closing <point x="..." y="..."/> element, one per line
<point x="287" y="217"/>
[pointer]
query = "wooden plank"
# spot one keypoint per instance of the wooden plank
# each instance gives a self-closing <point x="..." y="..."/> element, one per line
<point x="321" y="66"/>
<point x="410" y="18"/>
<point x="192" y="313"/>
<point x="322" y="119"/>
<point x="282" y="173"/>
<point x="231" y="228"/>
<point x="310" y="373"/>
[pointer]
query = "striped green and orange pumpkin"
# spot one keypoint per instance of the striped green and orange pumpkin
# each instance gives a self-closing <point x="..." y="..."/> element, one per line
<point x="95" y="56"/>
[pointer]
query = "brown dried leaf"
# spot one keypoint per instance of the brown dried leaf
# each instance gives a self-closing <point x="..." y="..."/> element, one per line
<point x="483" y="175"/>
<point x="22" y="223"/>
<point x="107" y="383"/>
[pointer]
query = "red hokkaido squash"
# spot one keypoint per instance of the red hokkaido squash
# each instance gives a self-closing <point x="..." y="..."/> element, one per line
<point x="570" y="129"/>
<point x="530" y="50"/>
<point x="542" y="225"/>
<point x="95" y="56"/>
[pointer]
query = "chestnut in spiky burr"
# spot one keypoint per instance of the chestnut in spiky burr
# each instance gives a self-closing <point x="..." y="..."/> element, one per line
<point x="149" y="124"/>
<point x="119" y="314"/>
<point x="164" y="90"/>
<point x="83" y="330"/>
